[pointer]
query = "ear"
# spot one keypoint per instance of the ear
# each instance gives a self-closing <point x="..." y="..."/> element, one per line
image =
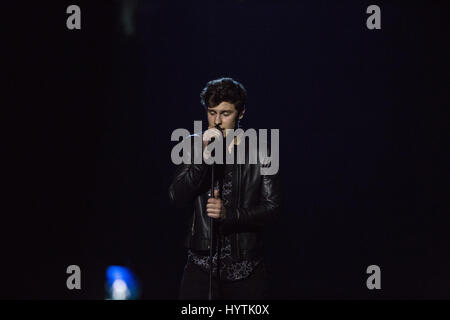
<point x="242" y="114"/>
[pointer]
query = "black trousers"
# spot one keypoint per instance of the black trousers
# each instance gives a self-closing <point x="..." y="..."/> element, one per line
<point x="195" y="285"/>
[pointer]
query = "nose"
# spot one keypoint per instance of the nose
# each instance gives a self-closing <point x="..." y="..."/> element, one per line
<point x="217" y="120"/>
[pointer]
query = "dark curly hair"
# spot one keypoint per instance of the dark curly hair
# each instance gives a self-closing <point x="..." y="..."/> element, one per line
<point x="224" y="89"/>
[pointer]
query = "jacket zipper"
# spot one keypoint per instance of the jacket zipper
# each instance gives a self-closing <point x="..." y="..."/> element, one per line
<point x="238" y="253"/>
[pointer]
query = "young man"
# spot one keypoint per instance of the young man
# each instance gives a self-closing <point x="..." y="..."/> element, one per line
<point x="244" y="202"/>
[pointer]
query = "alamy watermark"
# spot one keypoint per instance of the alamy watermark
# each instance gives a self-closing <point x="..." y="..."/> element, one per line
<point x="74" y="280"/>
<point x="373" y="22"/>
<point x="73" y="21"/>
<point x="374" y="280"/>
<point x="257" y="147"/>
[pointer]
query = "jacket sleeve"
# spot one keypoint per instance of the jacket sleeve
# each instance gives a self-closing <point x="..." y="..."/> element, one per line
<point x="265" y="213"/>
<point x="187" y="182"/>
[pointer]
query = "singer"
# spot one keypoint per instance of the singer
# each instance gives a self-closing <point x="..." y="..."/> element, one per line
<point x="230" y="265"/>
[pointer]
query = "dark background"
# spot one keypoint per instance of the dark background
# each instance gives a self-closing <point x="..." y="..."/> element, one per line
<point x="364" y="126"/>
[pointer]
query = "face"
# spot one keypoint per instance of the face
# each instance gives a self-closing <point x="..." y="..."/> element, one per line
<point x="225" y="115"/>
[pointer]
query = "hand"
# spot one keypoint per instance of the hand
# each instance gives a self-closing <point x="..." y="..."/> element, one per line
<point x="215" y="208"/>
<point x="212" y="132"/>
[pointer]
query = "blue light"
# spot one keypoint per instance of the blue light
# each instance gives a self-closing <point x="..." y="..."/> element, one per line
<point x="121" y="284"/>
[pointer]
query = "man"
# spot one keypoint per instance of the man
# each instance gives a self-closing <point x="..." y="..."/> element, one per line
<point x="243" y="204"/>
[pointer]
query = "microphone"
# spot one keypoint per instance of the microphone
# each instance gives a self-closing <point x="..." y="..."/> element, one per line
<point x="207" y="153"/>
<point x="213" y="138"/>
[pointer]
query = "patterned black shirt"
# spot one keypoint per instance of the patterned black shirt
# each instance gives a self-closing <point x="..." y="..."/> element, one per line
<point x="229" y="270"/>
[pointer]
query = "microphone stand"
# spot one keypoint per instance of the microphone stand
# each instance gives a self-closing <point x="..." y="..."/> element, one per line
<point x="211" y="233"/>
<point x="211" y="223"/>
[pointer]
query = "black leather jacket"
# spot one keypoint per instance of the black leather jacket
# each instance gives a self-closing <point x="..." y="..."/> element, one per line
<point x="255" y="203"/>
